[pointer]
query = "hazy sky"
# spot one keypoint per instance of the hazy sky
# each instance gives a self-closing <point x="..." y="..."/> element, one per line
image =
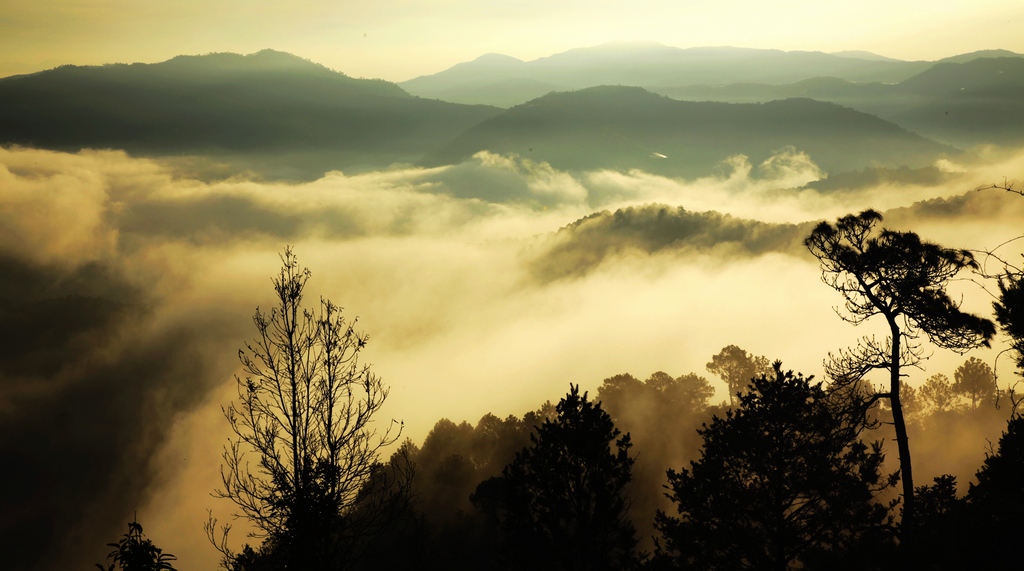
<point x="401" y="39"/>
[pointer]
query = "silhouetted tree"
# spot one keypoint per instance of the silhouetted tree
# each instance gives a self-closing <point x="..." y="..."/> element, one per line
<point x="782" y="481"/>
<point x="495" y="441"/>
<point x="736" y="367"/>
<point x="561" y="503"/>
<point x="1009" y="305"/>
<point x="455" y="458"/>
<point x="976" y="382"/>
<point x="942" y="538"/>
<point x="617" y="392"/>
<point x="914" y="407"/>
<point x="662" y="415"/>
<point x="994" y="523"/>
<point x="133" y="552"/>
<point x="305" y="408"/>
<point x="658" y="400"/>
<point x="452" y="462"/>
<point x="902" y="278"/>
<point x="939" y="498"/>
<point x="996" y="502"/>
<point x="911" y="400"/>
<point x="386" y="516"/>
<point x="689" y="392"/>
<point x="1010" y="311"/>
<point x="937" y="394"/>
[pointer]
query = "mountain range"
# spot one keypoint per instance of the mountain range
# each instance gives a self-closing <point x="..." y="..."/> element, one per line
<point x="502" y="80"/>
<point x="963" y="100"/>
<point x="269" y="106"/>
<point x="284" y="116"/>
<point x="962" y="103"/>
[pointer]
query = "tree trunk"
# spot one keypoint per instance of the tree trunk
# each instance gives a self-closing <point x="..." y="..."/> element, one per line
<point x="902" y="440"/>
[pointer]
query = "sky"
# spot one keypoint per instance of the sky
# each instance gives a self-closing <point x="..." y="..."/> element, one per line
<point x="402" y="39"/>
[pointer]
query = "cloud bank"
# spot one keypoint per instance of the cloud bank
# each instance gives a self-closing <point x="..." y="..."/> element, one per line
<point x="486" y="286"/>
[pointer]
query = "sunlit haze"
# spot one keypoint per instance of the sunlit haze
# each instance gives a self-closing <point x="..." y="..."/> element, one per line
<point x="404" y="39"/>
<point x="498" y="236"/>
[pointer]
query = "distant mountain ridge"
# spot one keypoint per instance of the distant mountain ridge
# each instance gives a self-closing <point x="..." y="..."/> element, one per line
<point x="495" y="79"/>
<point x="980" y="54"/>
<point x="864" y="81"/>
<point x="861" y="54"/>
<point x="215" y="68"/>
<point x="284" y="116"/>
<point x="974" y="102"/>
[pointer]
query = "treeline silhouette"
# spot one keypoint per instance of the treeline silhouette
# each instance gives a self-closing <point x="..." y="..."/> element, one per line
<point x="790" y="473"/>
<point x="465" y="479"/>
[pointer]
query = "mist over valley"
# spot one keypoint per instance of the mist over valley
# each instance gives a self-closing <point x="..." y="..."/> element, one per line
<point x="608" y="217"/>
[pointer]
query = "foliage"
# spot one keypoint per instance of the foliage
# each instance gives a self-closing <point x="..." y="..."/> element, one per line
<point x="455" y="458"/>
<point x="439" y="527"/>
<point x="1010" y="311"/>
<point x="939" y="541"/>
<point x="939" y="498"/>
<point x="996" y="502"/>
<point x="899" y="276"/>
<point x="660" y="395"/>
<point x="975" y="381"/>
<point x="133" y="552"/>
<point x="911" y="399"/>
<point x="561" y="503"/>
<point x="662" y="415"/>
<point x="998" y="484"/>
<point x="782" y="480"/>
<point x="736" y="367"/>
<point x="304" y="408"/>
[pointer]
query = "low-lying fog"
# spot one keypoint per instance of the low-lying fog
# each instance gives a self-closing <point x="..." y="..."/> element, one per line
<point x="132" y="286"/>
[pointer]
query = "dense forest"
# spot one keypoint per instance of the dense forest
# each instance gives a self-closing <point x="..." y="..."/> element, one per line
<point x="791" y="472"/>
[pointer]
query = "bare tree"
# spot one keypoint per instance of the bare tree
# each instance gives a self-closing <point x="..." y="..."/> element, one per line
<point x="1009" y="303"/>
<point x="902" y="278"/>
<point x="304" y="444"/>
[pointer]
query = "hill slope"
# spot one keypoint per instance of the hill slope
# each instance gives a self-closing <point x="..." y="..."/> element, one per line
<point x="261" y="103"/>
<point x="977" y="101"/>
<point x="981" y="101"/>
<point x="628" y="127"/>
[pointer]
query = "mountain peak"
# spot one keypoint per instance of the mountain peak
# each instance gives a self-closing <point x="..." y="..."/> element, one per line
<point x="861" y="54"/>
<point x="605" y="93"/>
<point x="636" y="45"/>
<point x="493" y="58"/>
<point x="263" y="60"/>
<point x="971" y="56"/>
<point x="488" y="65"/>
